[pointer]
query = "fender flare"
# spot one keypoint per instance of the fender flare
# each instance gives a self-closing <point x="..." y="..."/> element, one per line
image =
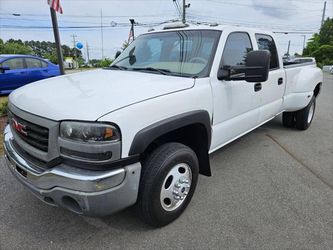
<point x="147" y="135"/>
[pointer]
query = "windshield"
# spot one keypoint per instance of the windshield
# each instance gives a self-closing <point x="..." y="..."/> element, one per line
<point x="187" y="53"/>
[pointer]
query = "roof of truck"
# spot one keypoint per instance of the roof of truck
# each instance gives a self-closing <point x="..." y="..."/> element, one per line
<point x="180" y="26"/>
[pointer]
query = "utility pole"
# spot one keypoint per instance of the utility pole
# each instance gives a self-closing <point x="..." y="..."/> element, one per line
<point x="304" y="36"/>
<point x="184" y="11"/>
<point x="74" y="43"/>
<point x="102" y="37"/>
<point x="88" y="59"/>
<point x="323" y="17"/>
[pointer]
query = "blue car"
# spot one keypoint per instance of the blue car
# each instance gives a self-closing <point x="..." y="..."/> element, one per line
<point x="19" y="70"/>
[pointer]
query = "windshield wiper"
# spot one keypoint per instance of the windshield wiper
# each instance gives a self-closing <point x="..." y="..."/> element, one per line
<point x="161" y="71"/>
<point x="118" y="67"/>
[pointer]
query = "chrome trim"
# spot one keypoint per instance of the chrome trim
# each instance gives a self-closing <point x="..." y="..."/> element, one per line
<point x="62" y="176"/>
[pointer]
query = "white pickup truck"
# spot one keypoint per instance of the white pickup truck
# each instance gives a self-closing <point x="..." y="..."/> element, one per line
<point x="141" y="131"/>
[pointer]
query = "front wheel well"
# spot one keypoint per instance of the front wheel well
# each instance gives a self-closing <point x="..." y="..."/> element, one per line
<point x="194" y="136"/>
<point x="317" y="89"/>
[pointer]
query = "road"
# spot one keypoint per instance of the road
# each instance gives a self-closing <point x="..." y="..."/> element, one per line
<point x="271" y="189"/>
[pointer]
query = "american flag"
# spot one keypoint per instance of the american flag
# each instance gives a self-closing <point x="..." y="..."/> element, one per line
<point x="130" y="36"/>
<point x="55" y="4"/>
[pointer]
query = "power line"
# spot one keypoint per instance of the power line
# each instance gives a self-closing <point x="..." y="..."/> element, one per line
<point x="176" y="4"/>
<point x="198" y="19"/>
<point x="263" y="6"/>
<point x="88" y="27"/>
<point x="87" y="16"/>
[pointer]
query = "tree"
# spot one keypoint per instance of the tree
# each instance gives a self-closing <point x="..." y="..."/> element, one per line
<point x="320" y="45"/>
<point x="106" y="62"/>
<point x="326" y="32"/>
<point x="324" y="55"/>
<point x="312" y="45"/>
<point x="14" y="47"/>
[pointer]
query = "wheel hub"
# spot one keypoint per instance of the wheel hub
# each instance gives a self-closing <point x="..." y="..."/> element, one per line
<point x="176" y="187"/>
<point x="181" y="189"/>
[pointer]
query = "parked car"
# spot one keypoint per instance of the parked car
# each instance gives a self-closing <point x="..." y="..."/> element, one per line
<point x="328" y="68"/>
<point x="142" y="130"/>
<point x="19" y="70"/>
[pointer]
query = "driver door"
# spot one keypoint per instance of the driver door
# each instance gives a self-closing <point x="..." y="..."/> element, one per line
<point x="236" y="103"/>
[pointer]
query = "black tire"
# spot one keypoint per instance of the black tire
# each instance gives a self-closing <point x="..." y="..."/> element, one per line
<point x="288" y="119"/>
<point x="303" y="119"/>
<point x="155" y="169"/>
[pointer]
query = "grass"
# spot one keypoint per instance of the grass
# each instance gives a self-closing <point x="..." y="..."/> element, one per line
<point x="3" y="119"/>
<point x="3" y="99"/>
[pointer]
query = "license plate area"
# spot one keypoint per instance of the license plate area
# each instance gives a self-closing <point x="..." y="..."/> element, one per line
<point x="21" y="171"/>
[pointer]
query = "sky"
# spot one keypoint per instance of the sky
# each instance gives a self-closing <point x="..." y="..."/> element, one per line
<point x="83" y="18"/>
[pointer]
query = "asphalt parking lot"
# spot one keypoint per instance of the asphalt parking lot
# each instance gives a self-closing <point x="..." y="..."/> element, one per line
<point x="271" y="189"/>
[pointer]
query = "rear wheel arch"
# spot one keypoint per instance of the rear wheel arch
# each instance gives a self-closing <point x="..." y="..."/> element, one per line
<point x="192" y="129"/>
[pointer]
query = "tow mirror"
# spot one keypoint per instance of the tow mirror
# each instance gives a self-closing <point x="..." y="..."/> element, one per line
<point x="3" y="69"/>
<point x="256" y="68"/>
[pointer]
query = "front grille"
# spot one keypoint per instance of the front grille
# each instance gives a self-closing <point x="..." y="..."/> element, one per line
<point x="33" y="134"/>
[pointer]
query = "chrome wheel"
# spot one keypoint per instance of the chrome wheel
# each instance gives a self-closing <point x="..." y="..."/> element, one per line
<point x="176" y="187"/>
<point x="311" y="112"/>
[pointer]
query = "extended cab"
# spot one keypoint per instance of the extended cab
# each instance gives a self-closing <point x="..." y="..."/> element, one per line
<point x="141" y="131"/>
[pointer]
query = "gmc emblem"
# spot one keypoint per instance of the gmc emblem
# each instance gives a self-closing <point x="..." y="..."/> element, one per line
<point x="19" y="127"/>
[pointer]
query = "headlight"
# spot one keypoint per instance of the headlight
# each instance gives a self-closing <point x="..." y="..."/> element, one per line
<point x="89" y="132"/>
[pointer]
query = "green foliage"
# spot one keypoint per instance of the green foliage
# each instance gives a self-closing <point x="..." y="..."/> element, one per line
<point x="320" y="45"/>
<point x="324" y="55"/>
<point x="44" y="49"/>
<point x="95" y="63"/>
<point x="326" y="32"/>
<point x="3" y="107"/>
<point x="312" y="45"/>
<point x="14" y="47"/>
<point x="106" y="62"/>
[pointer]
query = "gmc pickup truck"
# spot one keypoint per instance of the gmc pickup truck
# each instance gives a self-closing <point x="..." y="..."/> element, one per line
<point x="141" y="131"/>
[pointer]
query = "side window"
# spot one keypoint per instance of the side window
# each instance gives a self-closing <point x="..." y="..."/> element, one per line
<point x="237" y="46"/>
<point x="266" y="42"/>
<point x="15" y="63"/>
<point x="44" y="64"/>
<point x="148" y="51"/>
<point x="33" y="63"/>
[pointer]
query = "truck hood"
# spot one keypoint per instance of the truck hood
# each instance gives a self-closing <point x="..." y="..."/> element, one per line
<point x="92" y="94"/>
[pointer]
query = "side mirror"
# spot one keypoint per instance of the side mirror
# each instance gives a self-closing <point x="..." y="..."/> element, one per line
<point x="3" y="69"/>
<point x="256" y="68"/>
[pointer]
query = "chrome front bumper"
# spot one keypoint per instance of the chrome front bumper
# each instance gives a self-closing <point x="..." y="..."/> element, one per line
<point x="95" y="193"/>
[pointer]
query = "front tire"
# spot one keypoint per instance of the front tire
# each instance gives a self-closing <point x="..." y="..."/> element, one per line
<point x="168" y="181"/>
<point x="305" y="116"/>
